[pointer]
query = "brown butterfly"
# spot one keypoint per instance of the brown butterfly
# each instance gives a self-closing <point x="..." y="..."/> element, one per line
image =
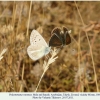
<point x="59" y="37"/>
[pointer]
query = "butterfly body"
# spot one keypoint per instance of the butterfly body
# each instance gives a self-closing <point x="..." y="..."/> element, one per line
<point x="38" y="47"/>
<point x="60" y="37"/>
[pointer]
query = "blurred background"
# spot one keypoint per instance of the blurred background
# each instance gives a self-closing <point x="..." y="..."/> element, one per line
<point x="74" y="70"/>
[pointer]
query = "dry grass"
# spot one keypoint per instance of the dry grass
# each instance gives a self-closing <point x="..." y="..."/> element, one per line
<point x="77" y="67"/>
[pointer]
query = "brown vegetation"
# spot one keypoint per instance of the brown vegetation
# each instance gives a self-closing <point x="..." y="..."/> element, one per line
<point x="77" y="65"/>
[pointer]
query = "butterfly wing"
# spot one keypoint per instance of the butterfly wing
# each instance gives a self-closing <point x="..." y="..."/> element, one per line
<point x="67" y="38"/>
<point x="36" y="53"/>
<point x="64" y="29"/>
<point x="56" y="30"/>
<point x="38" y="47"/>
<point x="55" y="39"/>
<point x="37" y="39"/>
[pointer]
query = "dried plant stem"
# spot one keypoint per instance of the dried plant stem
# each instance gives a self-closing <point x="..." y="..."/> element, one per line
<point x="21" y="86"/>
<point x="93" y="40"/>
<point x="89" y="47"/>
<point x="46" y="66"/>
<point x="40" y="81"/>
<point x="14" y="13"/>
<point x="79" y="49"/>
<point x="5" y="86"/>
<point x="1" y="54"/>
<point x="13" y="20"/>
<point x="74" y="40"/>
<point x="29" y="17"/>
<point x="19" y="19"/>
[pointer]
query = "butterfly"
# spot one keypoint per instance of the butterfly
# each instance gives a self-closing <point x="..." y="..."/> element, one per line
<point x="59" y="37"/>
<point x="38" y="46"/>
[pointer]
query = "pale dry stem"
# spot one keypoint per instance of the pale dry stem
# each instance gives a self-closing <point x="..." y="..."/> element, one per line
<point x="1" y="55"/>
<point x="46" y="65"/>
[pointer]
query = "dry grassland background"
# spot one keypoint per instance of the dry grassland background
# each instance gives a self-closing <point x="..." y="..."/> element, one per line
<point x="77" y="67"/>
